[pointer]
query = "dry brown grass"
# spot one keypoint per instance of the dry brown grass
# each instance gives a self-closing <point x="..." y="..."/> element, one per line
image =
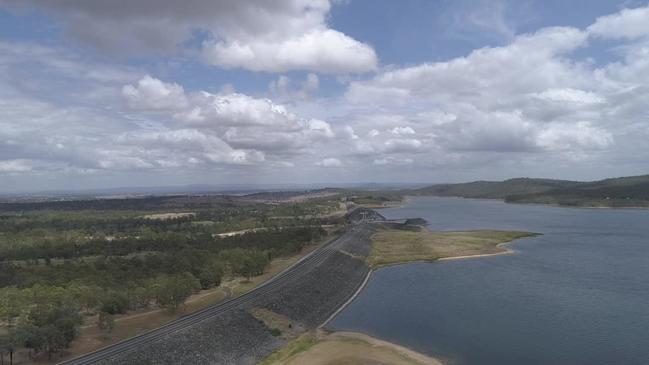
<point x="394" y="246"/>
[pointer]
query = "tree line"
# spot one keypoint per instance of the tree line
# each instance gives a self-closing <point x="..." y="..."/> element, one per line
<point x="280" y="240"/>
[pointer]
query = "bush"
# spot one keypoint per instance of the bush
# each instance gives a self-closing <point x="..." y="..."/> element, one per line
<point x="211" y="276"/>
<point x="171" y="291"/>
<point x="106" y="322"/>
<point x="114" y="302"/>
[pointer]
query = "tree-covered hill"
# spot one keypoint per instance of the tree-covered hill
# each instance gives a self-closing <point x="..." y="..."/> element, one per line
<point x="630" y="191"/>
<point x="495" y="189"/>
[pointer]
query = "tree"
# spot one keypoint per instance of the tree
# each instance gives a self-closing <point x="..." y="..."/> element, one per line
<point x="8" y="273"/>
<point x="114" y="302"/>
<point x="106" y="322"/>
<point x="30" y="337"/>
<point x="246" y="263"/>
<point x="4" y="349"/>
<point x="139" y="297"/>
<point x="253" y="264"/>
<point x="54" y="339"/>
<point x="172" y="291"/>
<point x="211" y="275"/>
<point x="51" y="322"/>
<point x="87" y="296"/>
<point x="10" y="343"/>
<point x="12" y="302"/>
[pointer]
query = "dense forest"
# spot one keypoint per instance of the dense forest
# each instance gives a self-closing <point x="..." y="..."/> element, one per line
<point x="64" y="262"/>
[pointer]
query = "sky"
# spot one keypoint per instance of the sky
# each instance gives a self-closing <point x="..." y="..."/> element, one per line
<point x="114" y="93"/>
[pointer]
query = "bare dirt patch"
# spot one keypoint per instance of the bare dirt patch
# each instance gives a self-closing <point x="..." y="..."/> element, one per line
<point x="166" y="216"/>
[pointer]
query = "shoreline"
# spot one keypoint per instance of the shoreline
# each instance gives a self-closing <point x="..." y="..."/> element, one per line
<point x="506" y="251"/>
<point x="417" y="356"/>
<point x="350" y="300"/>
<point x="503" y="246"/>
<point x="325" y="347"/>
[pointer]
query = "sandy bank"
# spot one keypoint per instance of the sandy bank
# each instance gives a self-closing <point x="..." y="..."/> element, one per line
<point x="322" y="348"/>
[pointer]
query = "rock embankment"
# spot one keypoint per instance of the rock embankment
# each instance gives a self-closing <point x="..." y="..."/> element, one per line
<point x="312" y="298"/>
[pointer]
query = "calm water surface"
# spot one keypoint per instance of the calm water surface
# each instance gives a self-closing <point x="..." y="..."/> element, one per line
<point x="579" y="294"/>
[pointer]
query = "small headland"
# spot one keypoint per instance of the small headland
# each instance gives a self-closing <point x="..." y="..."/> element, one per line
<point x="411" y="243"/>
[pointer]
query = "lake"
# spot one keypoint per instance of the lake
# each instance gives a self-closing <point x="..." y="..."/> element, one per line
<point x="579" y="294"/>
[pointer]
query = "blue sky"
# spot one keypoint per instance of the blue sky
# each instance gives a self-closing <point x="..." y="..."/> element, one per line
<point x="150" y="93"/>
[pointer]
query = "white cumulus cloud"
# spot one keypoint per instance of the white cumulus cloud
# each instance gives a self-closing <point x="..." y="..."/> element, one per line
<point x="628" y="23"/>
<point x="257" y="35"/>
<point x="222" y="128"/>
<point x="330" y="162"/>
<point x="19" y="165"/>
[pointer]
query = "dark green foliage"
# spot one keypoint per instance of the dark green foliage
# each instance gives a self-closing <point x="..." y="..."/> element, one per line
<point x="194" y="257"/>
<point x="106" y="322"/>
<point x="9" y="343"/>
<point x="495" y="189"/>
<point x="619" y="192"/>
<point x="247" y="263"/>
<point x="114" y="302"/>
<point x="211" y="275"/>
<point x="139" y="297"/>
<point x="171" y="291"/>
<point x="50" y="323"/>
<point x="416" y="222"/>
<point x="133" y="204"/>
<point x="370" y="199"/>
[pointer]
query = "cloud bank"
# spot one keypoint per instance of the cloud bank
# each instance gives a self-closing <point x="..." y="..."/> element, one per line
<point x="541" y="102"/>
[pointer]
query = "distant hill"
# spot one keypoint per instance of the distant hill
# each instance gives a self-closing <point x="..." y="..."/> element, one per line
<point x="618" y="192"/>
<point x="496" y="189"/>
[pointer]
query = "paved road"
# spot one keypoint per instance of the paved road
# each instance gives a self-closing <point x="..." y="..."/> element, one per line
<point x="296" y="270"/>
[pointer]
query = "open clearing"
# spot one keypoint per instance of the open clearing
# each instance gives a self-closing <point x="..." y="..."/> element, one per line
<point x="165" y="216"/>
<point x="395" y="246"/>
<point x="345" y="348"/>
